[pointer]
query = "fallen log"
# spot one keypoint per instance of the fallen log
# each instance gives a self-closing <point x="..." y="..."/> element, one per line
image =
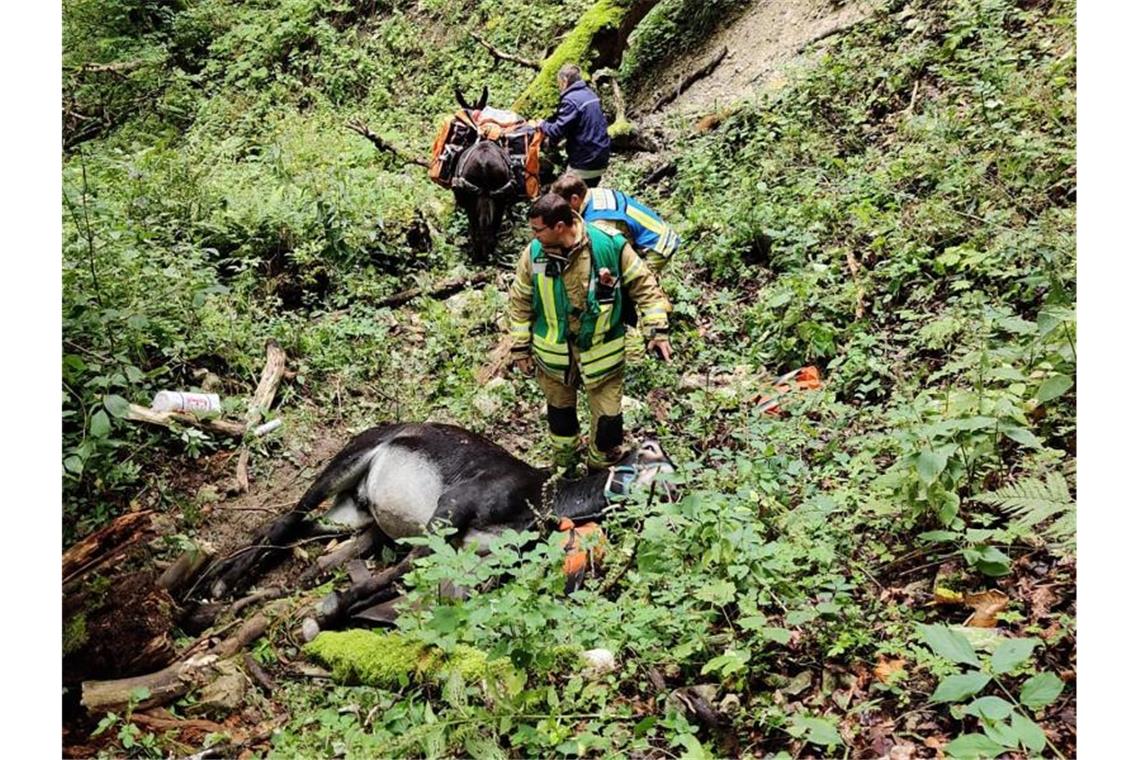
<point x="173" y="681"/>
<point x="106" y="542"/>
<point x="598" y="40"/>
<point x="441" y="289"/>
<point x="692" y="78"/>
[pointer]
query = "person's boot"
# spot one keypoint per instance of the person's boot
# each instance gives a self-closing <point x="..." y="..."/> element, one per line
<point x="597" y="460"/>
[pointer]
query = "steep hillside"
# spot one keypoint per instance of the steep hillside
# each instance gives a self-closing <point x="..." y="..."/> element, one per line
<point x="885" y="568"/>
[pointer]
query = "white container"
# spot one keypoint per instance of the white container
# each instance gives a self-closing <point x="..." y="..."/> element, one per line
<point x="268" y="427"/>
<point x="180" y="401"/>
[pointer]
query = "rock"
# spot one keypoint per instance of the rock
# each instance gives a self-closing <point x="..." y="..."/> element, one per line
<point x="730" y="705"/>
<point x="225" y="693"/>
<point x="598" y="662"/>
<point x="309" y="629"/>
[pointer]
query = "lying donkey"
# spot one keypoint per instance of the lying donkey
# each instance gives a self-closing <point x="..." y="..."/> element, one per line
<point x="407" y="476"/>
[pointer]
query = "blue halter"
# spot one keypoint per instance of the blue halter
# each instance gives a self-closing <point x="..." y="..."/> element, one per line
<point x="620" y="480"/>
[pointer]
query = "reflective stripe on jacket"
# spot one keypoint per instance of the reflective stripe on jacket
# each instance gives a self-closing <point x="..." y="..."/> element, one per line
<point x="649" y="232"/>
<point x="547" y="313"/>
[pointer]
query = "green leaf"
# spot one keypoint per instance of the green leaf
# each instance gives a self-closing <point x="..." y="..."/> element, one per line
<point x="1028" y="733"/>
<point x="1011" y="654"/>
<point x="988" y="560"/>
<point x="930" y="465"/>
<point x="1054" y="387"/>
<point x="778" y="635"/>
<point x="949" y="644"/>
<point x="73" y="464"/>
<point x="799" y="617"/>
<point x="720" y="593"/>
<point x="693" y="748"/>
<point x="819" y="731"/>
<point x="116" y="405"/>
<point x="1041" y="690"/>
<point x="937" y="536"/>
<point x="956" y="688"/>
<point x="100" y="424"/>
<point x="1020" y="435"/>
<point x="991" y="708"/>
<point x="973" y="746"/>
<point x="1001" y="732"/>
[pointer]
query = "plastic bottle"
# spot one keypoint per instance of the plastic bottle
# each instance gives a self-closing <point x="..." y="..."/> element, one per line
<point x="180" y="401"/>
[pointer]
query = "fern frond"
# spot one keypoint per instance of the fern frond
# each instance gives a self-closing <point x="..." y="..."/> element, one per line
<point x="1031" y="502"/>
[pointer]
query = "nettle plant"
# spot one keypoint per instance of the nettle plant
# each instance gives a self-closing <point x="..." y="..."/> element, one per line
<point x="951" y="439"/>
<point x="1006" y="722"/>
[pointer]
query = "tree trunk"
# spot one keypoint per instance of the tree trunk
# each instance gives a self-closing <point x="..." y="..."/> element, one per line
<point x="598" y="40"/>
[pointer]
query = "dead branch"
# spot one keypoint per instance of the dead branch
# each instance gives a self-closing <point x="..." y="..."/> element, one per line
<point x="161" y="723"/>
<point x="356" y="547"/>
<point x="338" y="605"/>
<point x="439" y="290"/>
<point x="825" y="34"/>
<point x="382" y="145"/>
<point x="258" y="674"/>
<point x="231" y="428"/>
<point x="499" y="55"/>
<point x="267" y="386"/>
<point x="853" y="267"/>
<point x="259" y="405"/>
<point x="498" y="360"/>
<point x="688" y="81"/>
<point x="668" y="169"/>
<point x="116" y="67"/>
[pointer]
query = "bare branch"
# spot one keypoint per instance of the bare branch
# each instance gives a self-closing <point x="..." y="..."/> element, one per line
<point x="688" y="81"/>
<point x="382" y="145"/>
<point x="499" y="55"/>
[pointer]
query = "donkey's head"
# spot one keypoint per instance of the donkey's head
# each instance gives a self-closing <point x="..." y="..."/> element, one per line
<point x="642" y="465"/>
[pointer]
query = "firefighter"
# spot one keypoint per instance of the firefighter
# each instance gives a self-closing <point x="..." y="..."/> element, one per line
<point x="565" y="316"/>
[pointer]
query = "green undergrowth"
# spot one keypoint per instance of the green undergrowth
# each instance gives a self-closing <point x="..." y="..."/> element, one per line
<point x="899" y="213"/>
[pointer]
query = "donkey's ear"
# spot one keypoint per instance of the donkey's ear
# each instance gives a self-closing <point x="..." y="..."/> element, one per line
<point x="482" y="100"/>
<point x="462" y="101"/>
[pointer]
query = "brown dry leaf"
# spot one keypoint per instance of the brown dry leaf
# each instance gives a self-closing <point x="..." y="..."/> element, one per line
<point x="986" y="606"/>
<point x="1042" y="601"/>
<point x="904" y="750"/>
<point x="936" y="743"/>
<point x="886" y="668"/>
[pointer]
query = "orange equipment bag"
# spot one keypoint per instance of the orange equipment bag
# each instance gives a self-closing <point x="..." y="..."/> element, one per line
<point x="579" y="559"/>
<point x="802" y="379"/>
<point x="521" y="140"/>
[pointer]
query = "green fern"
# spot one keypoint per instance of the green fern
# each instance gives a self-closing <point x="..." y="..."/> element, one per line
<point x="1032" y="502"/>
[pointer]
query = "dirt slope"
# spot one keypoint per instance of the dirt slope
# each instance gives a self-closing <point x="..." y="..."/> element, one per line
<point x="769" y="35"/>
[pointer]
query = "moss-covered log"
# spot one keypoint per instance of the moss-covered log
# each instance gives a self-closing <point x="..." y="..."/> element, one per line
<point x="597" y="40"/>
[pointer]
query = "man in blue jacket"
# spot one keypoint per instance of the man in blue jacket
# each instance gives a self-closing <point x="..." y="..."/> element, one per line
<point x="580" y="120"/>
<point x="651" y="237"/>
